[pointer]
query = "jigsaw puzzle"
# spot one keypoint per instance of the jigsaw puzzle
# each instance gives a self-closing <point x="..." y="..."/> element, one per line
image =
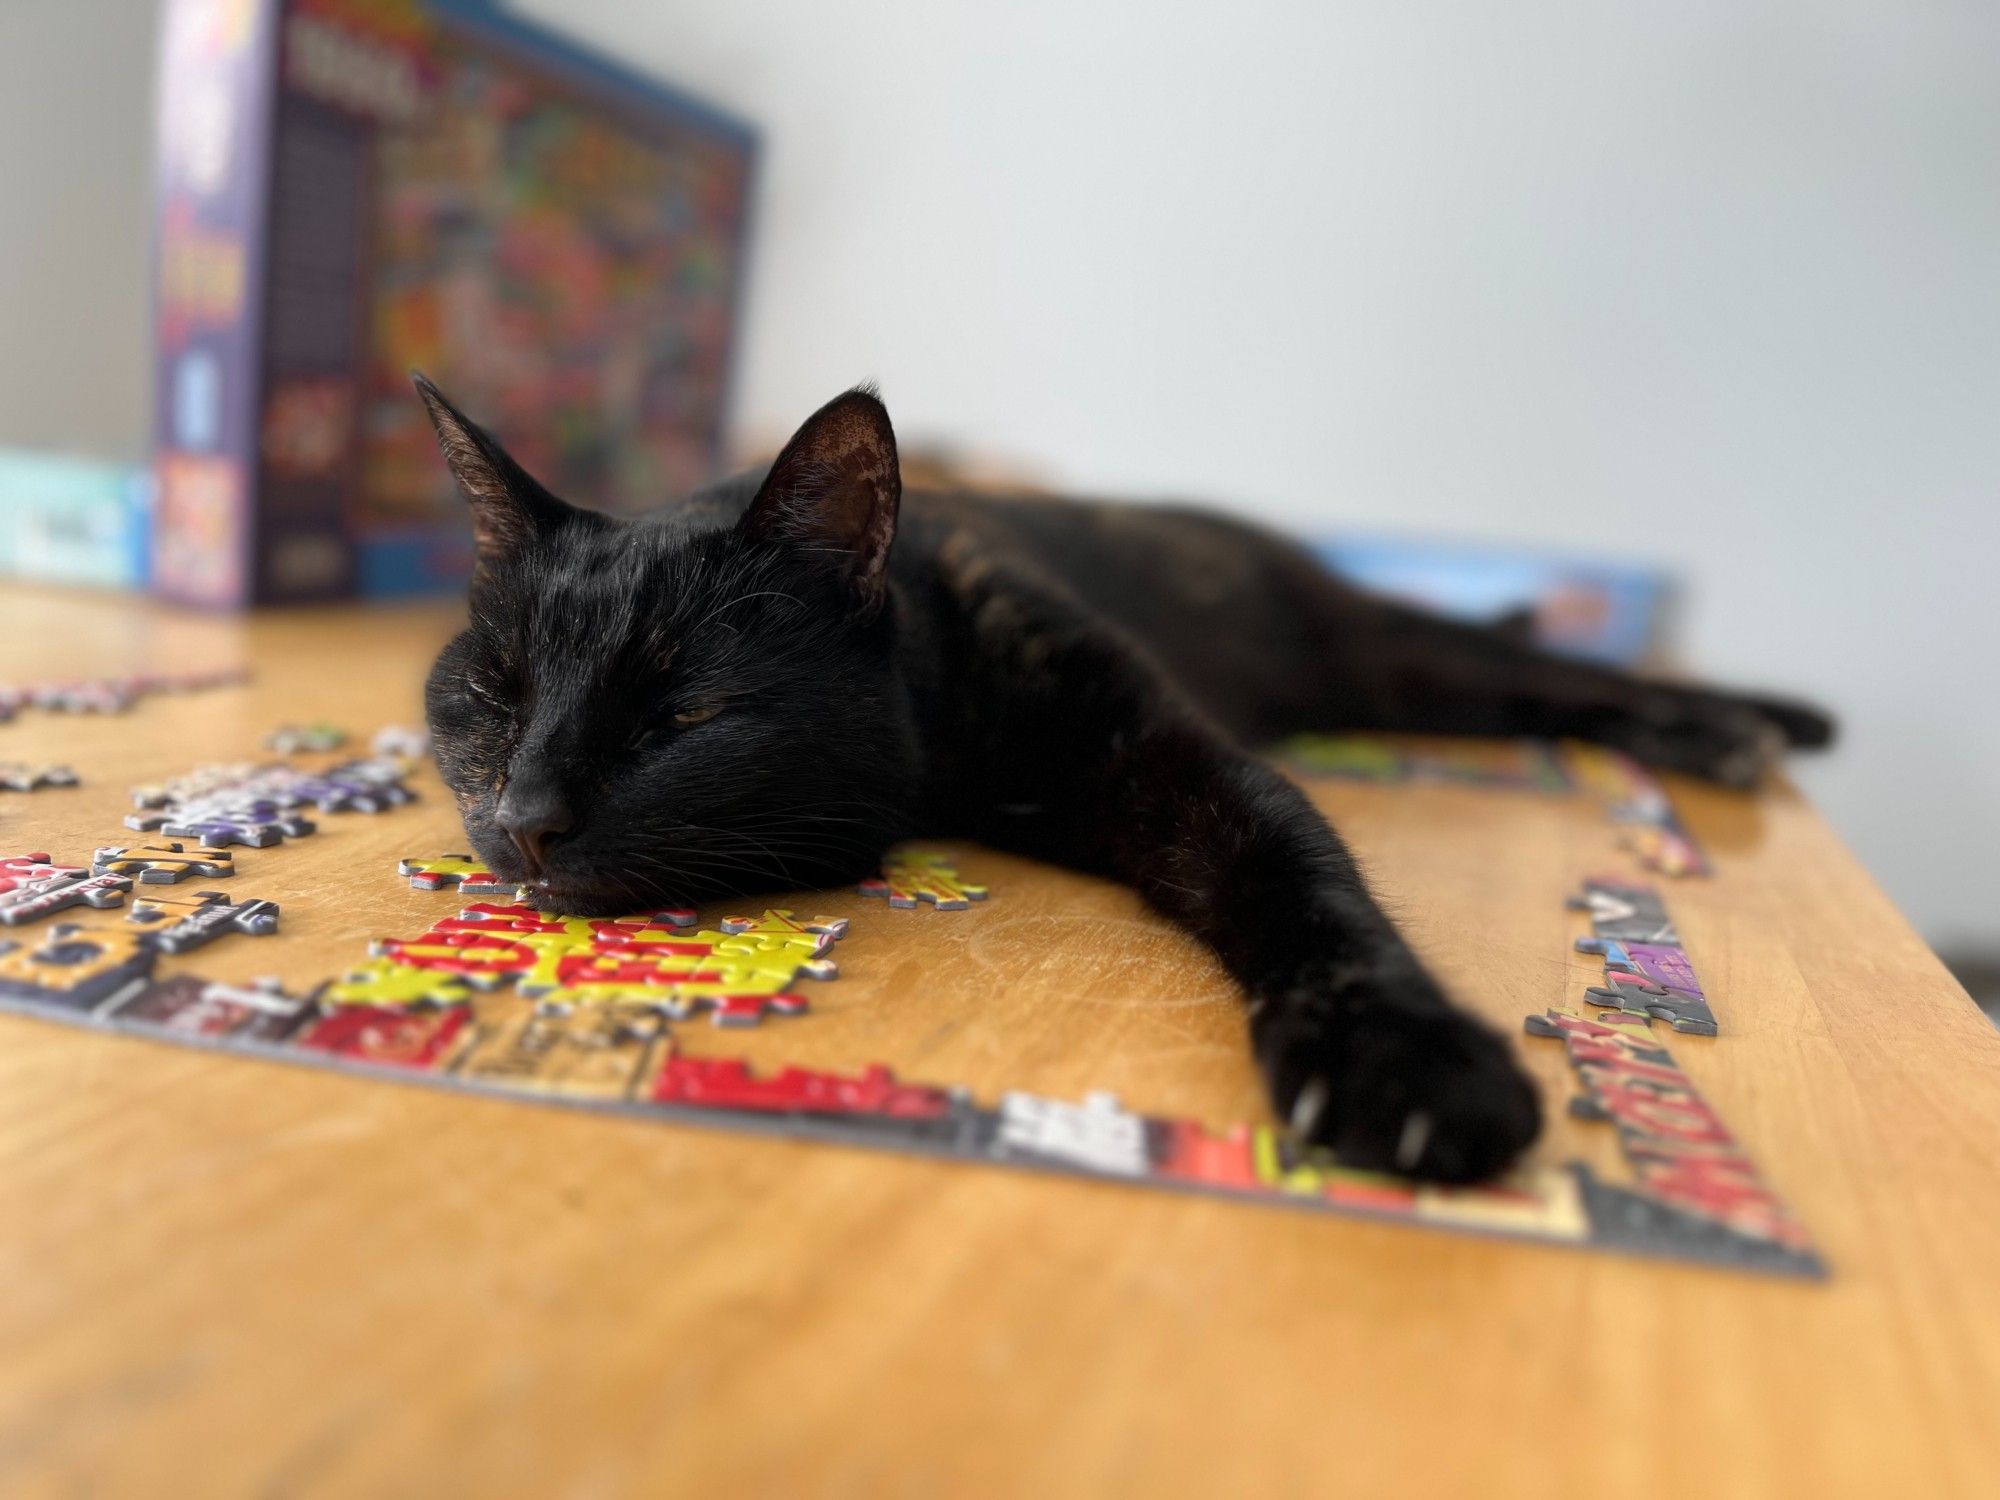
<point x="1646" y="971"/>
<point x="259" y="806"/>
<point x="31" y="887"/>
<point x="183" y="924"/>
<point x="111" y="695"/>
<point x="400" y="742"/>
<point x="1632" y="796"/>
<point x="910" y="876"/>
<point x="162" y="864"/>
<point x="316" y="738"/>
<point x="16" y="776"/>
<point x="1635" y="800"/>
<point x="1684" y="1157"/>
<point x="1520" y="765"/>
<point x="504" y="998"/>
<point x="460" y="870"/>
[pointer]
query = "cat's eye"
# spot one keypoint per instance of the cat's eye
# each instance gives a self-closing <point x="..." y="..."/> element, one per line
<point x="696" y="716"/>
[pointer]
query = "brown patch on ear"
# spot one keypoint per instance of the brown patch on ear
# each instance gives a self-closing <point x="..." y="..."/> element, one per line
<point x="836" y="488"/>
<point x="510" y="511"/>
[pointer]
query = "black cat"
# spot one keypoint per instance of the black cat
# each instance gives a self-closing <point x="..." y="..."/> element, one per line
<point x="765" y="685"/>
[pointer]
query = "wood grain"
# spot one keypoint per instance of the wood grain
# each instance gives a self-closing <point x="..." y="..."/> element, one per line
<point x="220" y="1276"/>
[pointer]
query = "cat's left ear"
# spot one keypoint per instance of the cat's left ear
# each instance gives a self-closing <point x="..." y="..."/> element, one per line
<point x="511" y="512"/>
<point x="835" y="490"/>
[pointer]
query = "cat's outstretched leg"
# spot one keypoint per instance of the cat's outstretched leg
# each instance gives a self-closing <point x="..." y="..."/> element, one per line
<point x="1092" y="759"/>
<point x="1390" y="667"/>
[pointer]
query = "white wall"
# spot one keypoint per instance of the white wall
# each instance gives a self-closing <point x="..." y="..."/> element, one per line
<point x="1717" y="282"/>
<point x="76" y="111"/>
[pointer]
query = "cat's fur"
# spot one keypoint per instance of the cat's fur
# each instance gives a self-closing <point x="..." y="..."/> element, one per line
<point x="753" y="690"/>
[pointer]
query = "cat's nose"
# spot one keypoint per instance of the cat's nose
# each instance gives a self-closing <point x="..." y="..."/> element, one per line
<point x="534" y="817"/>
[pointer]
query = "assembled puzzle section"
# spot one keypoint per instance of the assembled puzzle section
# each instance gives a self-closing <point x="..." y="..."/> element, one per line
<point x="1699" y="1194"/>
<point x="1646" y="971"/>
<point x="1633" y="799"/>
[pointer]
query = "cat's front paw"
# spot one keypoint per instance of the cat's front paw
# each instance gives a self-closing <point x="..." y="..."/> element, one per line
<point x="1715" y="736"/>
<point x="1427" y="1092"/>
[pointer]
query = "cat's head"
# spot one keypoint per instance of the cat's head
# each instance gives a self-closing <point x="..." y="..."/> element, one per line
<point x="700" y="702"/>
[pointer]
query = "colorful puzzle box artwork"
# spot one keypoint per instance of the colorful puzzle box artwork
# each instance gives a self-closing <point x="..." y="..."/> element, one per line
<point x="353" y="188"/>
<point x="497" y="996"/>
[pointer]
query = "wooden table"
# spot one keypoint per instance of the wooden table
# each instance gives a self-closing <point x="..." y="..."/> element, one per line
<point x="225" y="1276"/>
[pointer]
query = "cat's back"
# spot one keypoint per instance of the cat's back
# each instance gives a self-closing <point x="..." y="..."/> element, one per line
<point x="1236" y="613"/>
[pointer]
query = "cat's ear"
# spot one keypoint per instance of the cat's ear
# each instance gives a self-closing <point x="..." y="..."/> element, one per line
<point x="510" y="511"/>
<point x="835" y="490"/>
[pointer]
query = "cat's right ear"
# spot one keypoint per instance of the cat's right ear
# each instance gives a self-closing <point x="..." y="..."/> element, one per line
<point x="511" y="512"/>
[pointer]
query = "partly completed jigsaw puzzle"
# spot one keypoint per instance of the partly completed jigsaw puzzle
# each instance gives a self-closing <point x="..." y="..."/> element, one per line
<point x="505" y="999"/>
<point x="1632" y="796"/>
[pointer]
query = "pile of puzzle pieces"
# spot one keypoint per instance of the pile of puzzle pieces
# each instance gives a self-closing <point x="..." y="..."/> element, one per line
<point x="261" y="805"/>
<point x="111" y="695"/>
<point x="1646" y="971"/>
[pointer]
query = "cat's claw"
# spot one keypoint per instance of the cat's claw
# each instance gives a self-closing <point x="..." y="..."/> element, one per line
<point x="1431" y="1093"/>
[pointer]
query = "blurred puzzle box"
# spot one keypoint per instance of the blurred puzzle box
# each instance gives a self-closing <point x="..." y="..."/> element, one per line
<point x="1614" y="610"/>
<point x="348" y="189"/>
<point x="68" y="519"/>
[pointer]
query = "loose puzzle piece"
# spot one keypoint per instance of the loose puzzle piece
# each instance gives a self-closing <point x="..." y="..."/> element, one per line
<point x="181" y="926"/>
<point x="400" y="741"/>
<point x="1667" y="849"/>
<point x="781" y="919"/>
<point x="461" y="870"/>
<point x="1626" y="913"/>
<point x="15" y="776"/>
<point x="162" y="864"/>
<point x="315" y="738"/>
<point x="216" y="832"/>
<point x="1634" y="797"/>
<point x="17" y="870"/>
<point x="26" y="895"/>
<point x="912" y="875"/>
<point x="382" y="984"/>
